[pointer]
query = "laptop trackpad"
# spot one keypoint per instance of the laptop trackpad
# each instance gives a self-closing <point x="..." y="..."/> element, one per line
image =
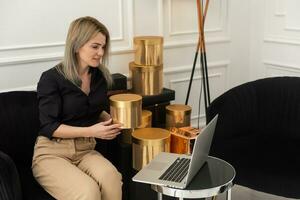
<point x="157" y="165"/>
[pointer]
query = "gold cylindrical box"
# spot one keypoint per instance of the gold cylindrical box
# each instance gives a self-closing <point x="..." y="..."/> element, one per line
<point x="146" y="119"/>
<point x="148" y="50"/>
<point x="178" y="115"/>
<point x="126" y="109"/>
<point x="146" y="80"/>
<point x="147" y="143"/>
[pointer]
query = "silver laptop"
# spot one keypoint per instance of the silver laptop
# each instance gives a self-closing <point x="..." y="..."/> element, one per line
<point x="177" y="170"/>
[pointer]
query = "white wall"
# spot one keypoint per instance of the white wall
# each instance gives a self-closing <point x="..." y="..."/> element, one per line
<point x="275" y="38"/>
<point x="245" y="40"/>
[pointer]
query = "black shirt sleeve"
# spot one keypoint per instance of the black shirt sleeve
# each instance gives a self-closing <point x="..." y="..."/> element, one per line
<point x="49" y="101"/>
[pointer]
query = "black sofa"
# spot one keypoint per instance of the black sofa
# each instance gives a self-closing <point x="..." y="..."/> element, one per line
<point x="19" y="125"/>
<point x="258" y="132"/>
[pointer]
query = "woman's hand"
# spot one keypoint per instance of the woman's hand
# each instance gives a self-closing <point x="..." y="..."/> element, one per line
<point x="105" y="130"/>
<point x="104" y="116"/>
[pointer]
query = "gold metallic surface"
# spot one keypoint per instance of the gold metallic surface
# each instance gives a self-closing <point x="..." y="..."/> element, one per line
<point x="178" y="115"/>
<point x="126" y="134"/>
<point x="183" y="139"/>
<point x="148" y="50"/>
<point x="146" y="80"/>
<point x="147" y="143"/>
<point x="146" y="119"/>
<point x="126" y="109"/>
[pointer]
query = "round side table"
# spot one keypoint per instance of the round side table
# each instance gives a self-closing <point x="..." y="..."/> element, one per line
<point x="215" y="177"/>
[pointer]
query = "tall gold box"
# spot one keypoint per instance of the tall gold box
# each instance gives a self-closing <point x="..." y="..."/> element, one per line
<point x="146" y="80"/>
<point x="148" y="50"/>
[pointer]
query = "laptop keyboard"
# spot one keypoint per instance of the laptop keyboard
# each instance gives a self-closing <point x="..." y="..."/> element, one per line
<point x="177" y="171"/>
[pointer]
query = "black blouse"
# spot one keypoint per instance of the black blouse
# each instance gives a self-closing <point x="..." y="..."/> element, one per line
<point x="62" y="102"/>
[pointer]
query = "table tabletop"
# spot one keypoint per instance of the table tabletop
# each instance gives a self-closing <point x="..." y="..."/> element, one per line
<point x="215" y="177"/>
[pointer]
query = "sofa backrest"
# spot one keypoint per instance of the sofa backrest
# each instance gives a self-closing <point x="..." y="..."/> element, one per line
<point x="19" y="124"/>
<point x="270" y="106"/>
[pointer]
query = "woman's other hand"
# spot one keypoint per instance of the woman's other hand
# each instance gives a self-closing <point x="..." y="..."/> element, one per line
<point x="105" y="130"/>
<point x="104" y="116"/>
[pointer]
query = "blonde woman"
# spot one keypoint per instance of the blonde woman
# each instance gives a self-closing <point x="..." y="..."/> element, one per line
<point x="72" y="96"/>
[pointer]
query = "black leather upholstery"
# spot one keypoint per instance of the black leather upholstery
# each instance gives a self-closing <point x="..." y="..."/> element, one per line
<point x="258" y="132"/>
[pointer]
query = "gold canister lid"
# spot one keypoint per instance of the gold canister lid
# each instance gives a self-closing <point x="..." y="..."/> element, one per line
<point x="126" y="109"/>
<point x="150" y="136"/>
<point x="124" y="100"/>
<point x="178" y="108"/>
<point x="148" y="50"/>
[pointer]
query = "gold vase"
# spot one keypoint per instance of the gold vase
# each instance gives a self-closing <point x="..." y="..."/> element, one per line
<point x="126" y="109"/>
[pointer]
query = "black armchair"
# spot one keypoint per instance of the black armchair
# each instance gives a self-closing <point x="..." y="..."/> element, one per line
<point x="258" y="132"/>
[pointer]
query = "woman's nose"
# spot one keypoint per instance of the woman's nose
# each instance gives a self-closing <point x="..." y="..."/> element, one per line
<point x="100" y="52"/>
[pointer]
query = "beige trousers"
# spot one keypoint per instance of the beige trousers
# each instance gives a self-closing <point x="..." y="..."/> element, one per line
<point x="70" y="169"/>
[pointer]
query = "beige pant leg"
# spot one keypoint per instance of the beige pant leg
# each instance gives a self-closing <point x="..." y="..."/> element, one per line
<point x="104" y="173"/>
<point x="58" y="176"/>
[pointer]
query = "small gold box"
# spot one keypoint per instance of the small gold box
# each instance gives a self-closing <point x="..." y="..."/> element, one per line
<point x="183" y="139"/>
<point x="178" y="115"/>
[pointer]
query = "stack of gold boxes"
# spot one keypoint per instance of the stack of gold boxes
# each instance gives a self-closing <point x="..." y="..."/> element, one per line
<point x="146" y="71"/>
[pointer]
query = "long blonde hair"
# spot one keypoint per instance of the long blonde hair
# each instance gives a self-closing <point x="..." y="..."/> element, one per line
<point x="80" y="32"/>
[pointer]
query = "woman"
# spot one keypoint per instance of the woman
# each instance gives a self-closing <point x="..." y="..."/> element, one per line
<point x="72" y="96"/>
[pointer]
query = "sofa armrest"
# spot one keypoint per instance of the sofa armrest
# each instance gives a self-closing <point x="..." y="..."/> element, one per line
<point x="10" y="188"/>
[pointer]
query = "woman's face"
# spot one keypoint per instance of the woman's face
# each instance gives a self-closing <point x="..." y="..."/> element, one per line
<point x="91" y="53"/>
